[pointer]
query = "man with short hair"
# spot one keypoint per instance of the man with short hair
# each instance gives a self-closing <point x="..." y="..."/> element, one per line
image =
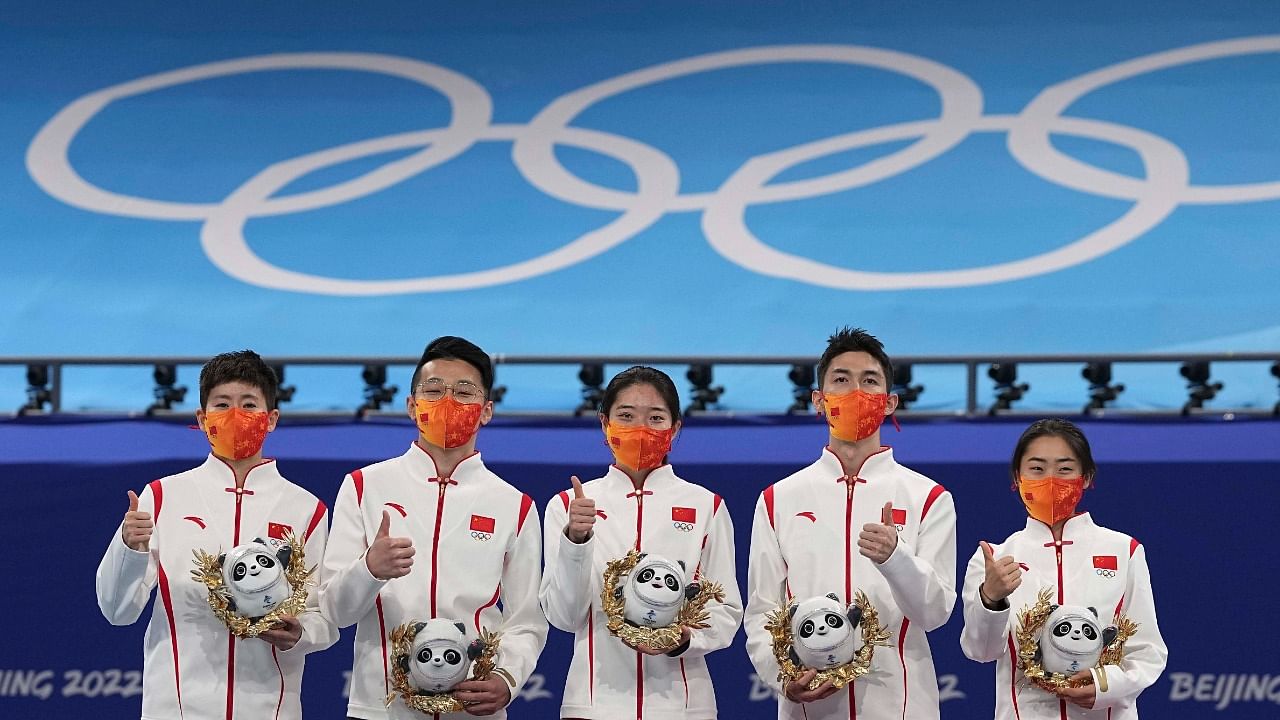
<point x="193" y="666"/>
<point x="435" y="534"/>
<point x="856" y="520"/>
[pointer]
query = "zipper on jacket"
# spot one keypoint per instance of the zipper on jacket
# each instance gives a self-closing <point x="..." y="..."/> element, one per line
<point x="435" y="541"/>
<point x="848" y="539"/>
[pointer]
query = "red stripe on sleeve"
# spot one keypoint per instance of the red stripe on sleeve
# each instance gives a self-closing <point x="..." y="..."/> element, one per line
<point x="157" y="492"/>
<point x="715" y="505"/>
<point x="167" y="599"/>
<point x="934" y="494"/>
<point x="280" y="671"/>
<point x="315" y="520"/>
<point x="492" y="601"/>
<point x="1133" y="546"/>
<point x="526" y="502"/>
<point x="768" y="506"/>
<point x="564" y="498"/>
<point x="902" y="658"/>
<point x="357" y="479"/>
<point x="382" y="635"/>
<point x="1013" y="677"/>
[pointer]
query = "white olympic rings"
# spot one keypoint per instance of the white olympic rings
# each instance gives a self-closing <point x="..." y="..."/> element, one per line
<point x="1165" y="185"/>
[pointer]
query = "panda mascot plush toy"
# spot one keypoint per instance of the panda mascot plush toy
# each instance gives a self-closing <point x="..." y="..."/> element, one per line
<point x="654" y="591"/>
<point x="822" y="635"/>
<point x="254" y="574"/>
<point x="441" y="655"/>
<point x="1073" y="639"/>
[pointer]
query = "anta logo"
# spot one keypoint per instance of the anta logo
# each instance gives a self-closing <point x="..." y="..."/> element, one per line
<point x="398" y="508"/>
<point x="195" y="520"/>
<point x="602" y="515"/>
<point x="808" y="514"/>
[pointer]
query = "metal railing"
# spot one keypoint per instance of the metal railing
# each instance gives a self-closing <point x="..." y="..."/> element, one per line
<point x="45" y="378"/>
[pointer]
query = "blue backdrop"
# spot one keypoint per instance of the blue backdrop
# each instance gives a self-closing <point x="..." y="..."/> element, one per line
<point x="318" y="178"/>
<point x="1199" y="495"/>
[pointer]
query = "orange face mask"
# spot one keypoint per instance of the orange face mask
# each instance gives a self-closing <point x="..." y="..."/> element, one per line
<point x="446" y="422"/>
<point x="1051" y="500"/>
<point x="639" y="448"/>
<point x="855" y="415"/>
<point x="236" y="433"/>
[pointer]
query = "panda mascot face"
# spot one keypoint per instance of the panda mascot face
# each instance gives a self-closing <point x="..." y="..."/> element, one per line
<point x="822" y="632"/>
<point x="441" y="656"/>
<point x="1072" y="639"/>
<point x="654" y="591"/>
<point x="254" y="576"/>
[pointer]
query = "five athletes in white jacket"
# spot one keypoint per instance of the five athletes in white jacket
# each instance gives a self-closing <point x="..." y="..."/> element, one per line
<point x="435" y="534"/>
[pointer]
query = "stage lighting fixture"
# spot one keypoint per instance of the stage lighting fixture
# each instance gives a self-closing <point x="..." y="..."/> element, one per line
<point x="284" y="393"/>
<point x="592" y="378"/>
<point x="1199" y="389"/>
<point x="1008" y="389"/>
<point x="167" y="390"/>
<point x="1101" y="391"/>
<point x="376" y="390"/>
<point x="703" y="393"/>
<point x="1275" y="370"/>
<point x="38" y="392"/>
<point x="802" y="378"/>
<point x="902" y="387"/>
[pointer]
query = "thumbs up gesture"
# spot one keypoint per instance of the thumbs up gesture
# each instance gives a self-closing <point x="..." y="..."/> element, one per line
<point x="389" y="557"/>
<point x="136" y="532"/>
<point x="582" y="514"/>
<point x="1002" y="578"/>
<point x="878" y="540"/>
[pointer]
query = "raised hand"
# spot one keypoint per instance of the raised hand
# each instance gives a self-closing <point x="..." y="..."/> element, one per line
<point x="1003" y="576"/>
<point x="878" y="540"/>
<point x="389" y="557"/>
<point x="137" y="529"/>
<point x="582" y="514"/>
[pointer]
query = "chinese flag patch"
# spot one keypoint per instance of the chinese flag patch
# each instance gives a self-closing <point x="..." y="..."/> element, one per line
<point x="899" y="516"/>
<point x="277" y="530"/>
<point x="1104" y="562"/>
<point x="480" y="523"/>
<point x="684" y="514"/>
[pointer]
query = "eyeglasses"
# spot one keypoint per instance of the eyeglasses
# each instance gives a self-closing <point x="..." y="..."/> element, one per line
<point x="464" y="391"/>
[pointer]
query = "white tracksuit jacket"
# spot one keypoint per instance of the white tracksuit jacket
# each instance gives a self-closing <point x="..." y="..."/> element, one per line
<point x="804" y="542"/>
<point x="477" y="540"/>
<point x="193" y="667"/>
<point x="1080" y="570"/>
<point x="672" y="518"/>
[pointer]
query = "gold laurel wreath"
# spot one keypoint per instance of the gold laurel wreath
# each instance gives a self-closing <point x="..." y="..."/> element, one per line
<point x="779" y="626"/>
<point x="693" y="614"/>
<point x="208" y="572"/>
<point x="426" y="702"/>
<point x="1030" y="622"/>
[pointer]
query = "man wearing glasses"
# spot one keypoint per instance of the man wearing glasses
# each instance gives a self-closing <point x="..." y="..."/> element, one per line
<point x="435" y="534"/>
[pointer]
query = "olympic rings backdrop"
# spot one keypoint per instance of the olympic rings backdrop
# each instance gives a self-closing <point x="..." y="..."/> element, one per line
<point x="1020" y="177"/>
